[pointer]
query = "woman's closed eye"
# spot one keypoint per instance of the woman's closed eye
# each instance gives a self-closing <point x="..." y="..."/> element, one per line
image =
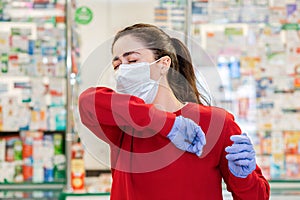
<point x="131" y="57"/>
<point x="117" y="64"/>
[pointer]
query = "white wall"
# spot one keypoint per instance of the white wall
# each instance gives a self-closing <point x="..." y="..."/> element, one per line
<point x="109" y="16"/>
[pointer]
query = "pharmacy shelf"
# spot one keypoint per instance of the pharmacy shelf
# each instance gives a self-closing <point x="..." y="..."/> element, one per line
<point x="66" y="196"/>
<point x="30" y="186"/>
<point x="30" y="194"/>
<point x="10" y="76"/>
<point x="285" y="184"/>
<point x="8" y="133"/>
<point x="96" y="196"/>
<point x="6" y="26"/>
<point x="25" y="13"/>
<point x="43" y="15"/>
<point x="4" y="133"/>
<point x="95" y="173"/>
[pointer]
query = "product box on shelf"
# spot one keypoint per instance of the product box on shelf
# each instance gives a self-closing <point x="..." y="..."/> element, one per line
<point x="292" y="142"/>
<point x="4" y="42"/>
<point x="293" y="166"/>
<point x="10" y="116"/>
<point x="2" y="149"/>
<point x="277" y="166"/>
<point x="264" y="162"/>
<point x="38" y="171"/>
<point x="58" y="144"/>
<point x="38" y="157"/>
<point x="32" y="158"/>
<point x="77" y="175"/>
<point x="7" y="172"/>
<point x="278" y="145"/>
<point x="59" y="167"/>
<point x="77" y="168"/>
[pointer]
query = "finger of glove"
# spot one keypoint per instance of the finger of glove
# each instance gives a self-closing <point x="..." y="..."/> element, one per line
<point x="179" y="141"/>
<point x="197" y="149"/>
<point x="240" y="156"/>
<point x="201" y="136"/>
<point x="188" y="134"/>
<point x="196" y="145"/>
<point x="192" y="149"/>
<point x="236" y="170"/>
<point x="177" y="137"/>
<point x="196" y="140"/>
<point x="236" y="148"/>
<point x="183" y="145"/>
<point x="199" y="153"/>
<point x="244" y="162"/>
<point x="200" y="147"/>
<point x="240" y="139"/>
<point x="191" y="131"/>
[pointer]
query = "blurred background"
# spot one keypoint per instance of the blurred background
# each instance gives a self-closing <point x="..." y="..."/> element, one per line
<point x="247" y="52"/>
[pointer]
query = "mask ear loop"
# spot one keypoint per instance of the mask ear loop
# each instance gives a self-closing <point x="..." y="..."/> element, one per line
<point x="155" y="61"/>
<point x="161" y="76"/>
<point x="159" y="79"/>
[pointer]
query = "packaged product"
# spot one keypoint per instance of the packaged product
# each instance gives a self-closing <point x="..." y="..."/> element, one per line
<point x="77" y="174"/>
<point x="18" y="150"/>
<point x="58" y="144"/>
<point x="38" y="171"/>
<point x="28" y="169"/>
<point x="2" y="150"/>
<point x="49" y="170"/>
<point x="59" y="167"/>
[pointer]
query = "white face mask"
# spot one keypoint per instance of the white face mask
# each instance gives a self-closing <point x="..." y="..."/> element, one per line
<point x="134" y="79"/>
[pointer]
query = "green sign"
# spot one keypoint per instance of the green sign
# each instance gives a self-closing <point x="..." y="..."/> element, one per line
<point x="83" y="15"/>
<point x="291" y="27"/>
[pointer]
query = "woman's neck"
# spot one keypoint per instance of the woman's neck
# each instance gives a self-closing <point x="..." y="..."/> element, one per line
<point x="166" y="100"/>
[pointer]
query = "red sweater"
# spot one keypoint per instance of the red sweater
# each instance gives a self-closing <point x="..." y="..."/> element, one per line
<point x="146" y="165"/>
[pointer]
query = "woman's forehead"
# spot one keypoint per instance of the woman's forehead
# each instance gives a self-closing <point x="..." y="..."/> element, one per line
<point x="126" y="43"/>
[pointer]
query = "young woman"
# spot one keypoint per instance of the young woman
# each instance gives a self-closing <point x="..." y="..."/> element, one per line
<point x="158" y="151"/>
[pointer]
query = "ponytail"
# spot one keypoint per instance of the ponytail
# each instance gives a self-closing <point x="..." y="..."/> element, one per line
<point x="185" y="68"/>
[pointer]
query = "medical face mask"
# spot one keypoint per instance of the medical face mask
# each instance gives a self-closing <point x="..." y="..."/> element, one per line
<point x="134" y="79"/>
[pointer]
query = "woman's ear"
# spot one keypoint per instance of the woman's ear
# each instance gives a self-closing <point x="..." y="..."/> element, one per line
<point x="166" y="63"/>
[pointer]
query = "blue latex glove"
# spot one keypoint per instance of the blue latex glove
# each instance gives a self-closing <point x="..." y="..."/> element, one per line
<point x="187" y="135"/>
<point x="241" y="156"/>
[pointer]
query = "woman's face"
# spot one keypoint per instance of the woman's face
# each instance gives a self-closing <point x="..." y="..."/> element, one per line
<point x="129" y="50"/>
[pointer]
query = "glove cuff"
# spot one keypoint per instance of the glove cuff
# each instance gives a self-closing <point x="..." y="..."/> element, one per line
<point x="174" y="130"/>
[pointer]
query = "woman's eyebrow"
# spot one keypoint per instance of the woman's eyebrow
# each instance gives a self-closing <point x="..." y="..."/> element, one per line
<point x="125" y="54"/>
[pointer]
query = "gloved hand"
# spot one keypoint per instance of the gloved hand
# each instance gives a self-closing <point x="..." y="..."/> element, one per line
<point x="241" y="156"/>
<point x="187" y="135"/>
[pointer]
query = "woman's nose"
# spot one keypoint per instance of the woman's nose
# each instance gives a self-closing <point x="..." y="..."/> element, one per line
<point x="123" y="60"/>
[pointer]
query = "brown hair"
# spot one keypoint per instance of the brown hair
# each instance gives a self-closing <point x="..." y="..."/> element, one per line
<point x="161" y="45"/>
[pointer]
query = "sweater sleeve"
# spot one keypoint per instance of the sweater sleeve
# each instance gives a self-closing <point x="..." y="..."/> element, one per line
<point x="102" y="106"/>
<point x="254" y="186"/>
